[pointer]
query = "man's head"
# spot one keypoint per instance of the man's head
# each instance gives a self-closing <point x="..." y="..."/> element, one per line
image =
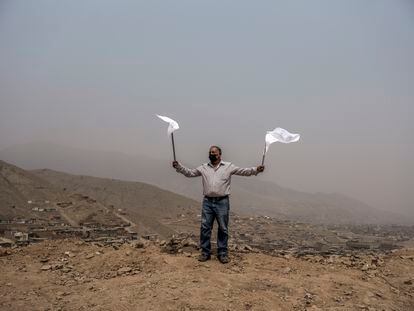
<point x="215" y="154"/>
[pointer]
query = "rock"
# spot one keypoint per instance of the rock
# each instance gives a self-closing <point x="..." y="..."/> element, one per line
<point x="124" y="270"/>
<point x="308" y="298"/>
<point x="365" y="267"/>
<point x="189" y="242"/>
<point x="180" y="243"/>
<point x="408" y="282"/>
<point x="4" y="252"/>
<point x="286" y="270"/>
<point x="46" y="267"/>
<point x="89" y="256"/>
<point x="248" y="248"/>
<point x="43" y="260"/>
<point x="56" y="266"/>
<point x="70" y="254"/>
<point x="139" y="244"/>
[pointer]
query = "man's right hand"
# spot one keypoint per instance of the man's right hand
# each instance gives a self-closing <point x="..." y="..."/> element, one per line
<point x="175" y="164"/>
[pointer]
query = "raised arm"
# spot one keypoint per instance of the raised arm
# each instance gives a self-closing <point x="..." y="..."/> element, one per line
<point x="188" y="172"/>
<point x="235" y="170"/>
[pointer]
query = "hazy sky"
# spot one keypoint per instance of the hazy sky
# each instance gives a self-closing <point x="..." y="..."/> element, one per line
<point x="341" y="73"/>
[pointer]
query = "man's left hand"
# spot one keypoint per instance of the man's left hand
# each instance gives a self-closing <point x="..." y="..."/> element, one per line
<point x="260" y="168"/>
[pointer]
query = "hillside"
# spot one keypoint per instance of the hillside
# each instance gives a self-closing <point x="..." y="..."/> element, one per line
<point x="48" y="198"/>
<point x="17" y="187"/>
<point x="27" y="199"/>
<point x="249" y="195"/>
<point x="275" y="264"/>
<point x="74" y="275"/>
<point x="144" y="204"/>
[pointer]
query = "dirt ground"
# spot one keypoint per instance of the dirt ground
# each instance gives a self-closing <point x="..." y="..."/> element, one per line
<point x="74" y="275"/>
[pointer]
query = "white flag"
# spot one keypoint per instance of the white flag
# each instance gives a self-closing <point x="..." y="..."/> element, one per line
<point x="173" y="124"/>
<point x="280" y="135"/>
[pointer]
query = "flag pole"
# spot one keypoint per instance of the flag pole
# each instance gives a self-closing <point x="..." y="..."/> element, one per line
<point x="264" y="152"/>
<point x="173" y="145"/>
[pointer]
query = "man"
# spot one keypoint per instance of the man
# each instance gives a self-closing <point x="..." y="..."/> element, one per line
<point x="216" y="189"/>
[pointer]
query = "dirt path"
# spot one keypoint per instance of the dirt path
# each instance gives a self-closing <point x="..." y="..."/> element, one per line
<point x="132" y="226"/>
<point x="72" y="222"/>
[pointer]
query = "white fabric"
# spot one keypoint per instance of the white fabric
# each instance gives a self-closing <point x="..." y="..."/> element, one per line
<point x="280" y="135"/>
<point x="173" y="125"/>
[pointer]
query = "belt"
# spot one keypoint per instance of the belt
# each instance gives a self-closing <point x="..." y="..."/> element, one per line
<point x="216" y="198"/>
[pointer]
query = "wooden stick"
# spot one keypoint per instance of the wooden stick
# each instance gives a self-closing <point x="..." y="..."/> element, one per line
<point x="173" y="145"/>
<point x="264" y="152"/>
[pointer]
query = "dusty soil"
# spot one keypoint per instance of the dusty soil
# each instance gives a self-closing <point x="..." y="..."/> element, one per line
<point x="74" y="275"/>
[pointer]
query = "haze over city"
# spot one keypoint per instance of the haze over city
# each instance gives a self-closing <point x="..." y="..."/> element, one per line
<point x="93" y="74"/>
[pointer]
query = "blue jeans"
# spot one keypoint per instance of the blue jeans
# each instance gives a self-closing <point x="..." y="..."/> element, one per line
<point x="215" y="208"/>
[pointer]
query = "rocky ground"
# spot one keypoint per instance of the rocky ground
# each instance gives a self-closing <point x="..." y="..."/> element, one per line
<point x="142" y="275"/>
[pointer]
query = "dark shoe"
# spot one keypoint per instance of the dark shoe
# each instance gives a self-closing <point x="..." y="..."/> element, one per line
<point x="223" y="259"/>
<point x="203" y="257"/>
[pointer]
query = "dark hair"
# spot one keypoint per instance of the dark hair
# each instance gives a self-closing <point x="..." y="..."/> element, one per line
<point x="217" y="147"/>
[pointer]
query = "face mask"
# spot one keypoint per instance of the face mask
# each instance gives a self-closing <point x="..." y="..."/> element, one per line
<point x="212" y="157"/>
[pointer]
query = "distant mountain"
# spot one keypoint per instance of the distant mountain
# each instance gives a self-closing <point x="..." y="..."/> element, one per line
<point x="79" y="200"/>
<point x="144" y="204"/>
<point x="249" y="194"/>
<point x="26" y="197"/>
<point x="17" y="187"/>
